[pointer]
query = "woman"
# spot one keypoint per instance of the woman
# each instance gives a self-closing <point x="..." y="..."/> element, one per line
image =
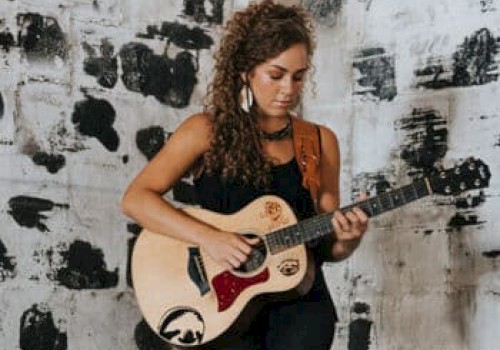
<point x="241" y="148"/>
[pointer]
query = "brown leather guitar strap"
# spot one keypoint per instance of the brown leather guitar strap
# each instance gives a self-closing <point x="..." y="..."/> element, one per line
<point x="307" y="147"/>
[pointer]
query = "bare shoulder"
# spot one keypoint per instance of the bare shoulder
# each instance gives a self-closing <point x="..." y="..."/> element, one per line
<point x="196" y="129"/>
<point x="329" y="142"/>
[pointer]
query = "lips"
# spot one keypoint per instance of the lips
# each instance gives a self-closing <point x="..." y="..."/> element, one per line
<point x="283" y="103"/>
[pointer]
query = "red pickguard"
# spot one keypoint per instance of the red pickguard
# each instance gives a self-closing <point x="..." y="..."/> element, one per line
<point x="228" y="286"/>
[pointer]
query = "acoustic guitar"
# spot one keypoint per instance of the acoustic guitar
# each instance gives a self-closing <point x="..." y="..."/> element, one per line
<point x="190" y="301"/>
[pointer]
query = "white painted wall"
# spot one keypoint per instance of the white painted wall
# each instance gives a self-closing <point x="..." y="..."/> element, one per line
<point x="416" y="282"/>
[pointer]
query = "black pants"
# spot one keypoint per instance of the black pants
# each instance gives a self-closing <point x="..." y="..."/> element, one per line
<point x="301" y="324"/>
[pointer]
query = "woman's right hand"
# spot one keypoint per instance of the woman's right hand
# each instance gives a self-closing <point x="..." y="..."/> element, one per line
<point x="228" y="249"/>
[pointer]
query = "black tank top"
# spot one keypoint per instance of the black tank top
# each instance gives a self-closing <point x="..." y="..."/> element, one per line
<point x="228" y="196"/>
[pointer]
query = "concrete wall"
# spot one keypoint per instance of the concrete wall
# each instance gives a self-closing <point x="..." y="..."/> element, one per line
<point x="90" y="89"/>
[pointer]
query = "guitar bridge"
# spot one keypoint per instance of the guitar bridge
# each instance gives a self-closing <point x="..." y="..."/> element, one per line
<point x="196" y="271"/>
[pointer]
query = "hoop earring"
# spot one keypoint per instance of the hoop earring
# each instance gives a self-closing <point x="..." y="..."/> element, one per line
<point x="246" y="98"/>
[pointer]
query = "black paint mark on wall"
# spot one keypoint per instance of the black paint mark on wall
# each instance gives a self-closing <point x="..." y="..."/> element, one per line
<point x="39" y="332"/>
<point x="371" y="184"/>
<point x="105" y="68"/>
<point x="41" y="37"/>
<point x="2" y="107"/>
<point x="200" y="11"/>
<point x="376" y="74"/>
<point x="7" y="264"/>
<point x="180" y="35"/>
<point x="487" y="6"/>
<point x="6" y="40"/>
<point x="323" y="11"/>
<point x="135" y="229"/>
<point x="425" y="140"/>
<point x="150" y="140"/>
<point x="474" y="63"/>
<point x="492" y="254"/>
<point x="26" y="211"/>
<point x="170" y="81"/>
<point x="95" y="117"/>
<point x="146" y="339"/>
<point x="53" y="162"/>
<point x="360" y="327"/>
<point x="497" y="143"/>
<point x="470" y="201"/>
<point x="462" y="219"/>
<point x="84" y="268"/>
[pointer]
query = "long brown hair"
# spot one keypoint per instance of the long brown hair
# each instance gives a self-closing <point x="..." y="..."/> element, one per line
<point x="252" y="36"/>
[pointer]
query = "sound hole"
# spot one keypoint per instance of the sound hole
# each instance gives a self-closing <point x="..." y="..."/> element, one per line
<point x="256" y="257"/>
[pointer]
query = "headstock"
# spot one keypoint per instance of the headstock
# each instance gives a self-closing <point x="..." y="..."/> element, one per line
<point x="471" y="174"/>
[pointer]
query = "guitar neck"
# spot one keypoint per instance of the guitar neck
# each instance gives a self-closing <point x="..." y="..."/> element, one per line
<point x="320" y="225"/>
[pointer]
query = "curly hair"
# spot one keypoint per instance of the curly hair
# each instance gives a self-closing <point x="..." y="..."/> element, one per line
<point x="252" y="36"/>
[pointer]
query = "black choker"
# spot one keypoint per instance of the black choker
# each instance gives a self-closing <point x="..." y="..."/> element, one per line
<point x="277" y="135"/>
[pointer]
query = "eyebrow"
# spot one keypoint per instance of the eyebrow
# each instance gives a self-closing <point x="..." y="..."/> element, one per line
<point x="283" y="69"/>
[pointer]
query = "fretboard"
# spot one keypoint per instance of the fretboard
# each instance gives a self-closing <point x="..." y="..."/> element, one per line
<point x="320" y="225"/>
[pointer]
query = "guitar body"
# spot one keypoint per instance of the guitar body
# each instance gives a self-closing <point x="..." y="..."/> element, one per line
<point x="190" y="301"/>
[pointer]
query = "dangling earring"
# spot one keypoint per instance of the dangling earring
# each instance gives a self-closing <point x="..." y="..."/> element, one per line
<point x="246" y="98"/>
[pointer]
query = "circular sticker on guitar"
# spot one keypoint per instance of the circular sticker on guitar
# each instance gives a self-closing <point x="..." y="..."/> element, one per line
<point x="182" y="326"/>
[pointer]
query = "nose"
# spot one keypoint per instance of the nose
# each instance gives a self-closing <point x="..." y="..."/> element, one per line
<point x="288" y="86"/>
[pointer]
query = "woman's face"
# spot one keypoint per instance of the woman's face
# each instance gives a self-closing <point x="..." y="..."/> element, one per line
<point x="277" y="83"/>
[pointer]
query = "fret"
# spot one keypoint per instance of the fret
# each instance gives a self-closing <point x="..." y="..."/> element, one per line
<point x="374" y="206"/>
<point x="415" y="193"/>
<point x="385" y="201"/>
<point x="397" y="198"/>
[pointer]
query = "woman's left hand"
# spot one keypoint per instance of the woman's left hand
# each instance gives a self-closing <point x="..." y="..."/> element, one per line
<point x="349" y="228"/>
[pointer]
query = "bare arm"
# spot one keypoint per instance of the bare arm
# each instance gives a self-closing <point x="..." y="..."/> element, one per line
<point x="349" y="228"/>
<point x="144" y="203"/>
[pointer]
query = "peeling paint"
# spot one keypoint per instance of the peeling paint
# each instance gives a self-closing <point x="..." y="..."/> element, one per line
<point x="83" y="267"/>
<point x="95" y="117"/>
<point x="42" y="38"/>
<point x="376" y="74"/>
<point x="150" y="140"/>
<point x="7" y="264"/>
<point x="426" y="140"/>
<point x="39" y="332"/>
<point x="105" y="68"/>
<point x="26" y="211"/>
